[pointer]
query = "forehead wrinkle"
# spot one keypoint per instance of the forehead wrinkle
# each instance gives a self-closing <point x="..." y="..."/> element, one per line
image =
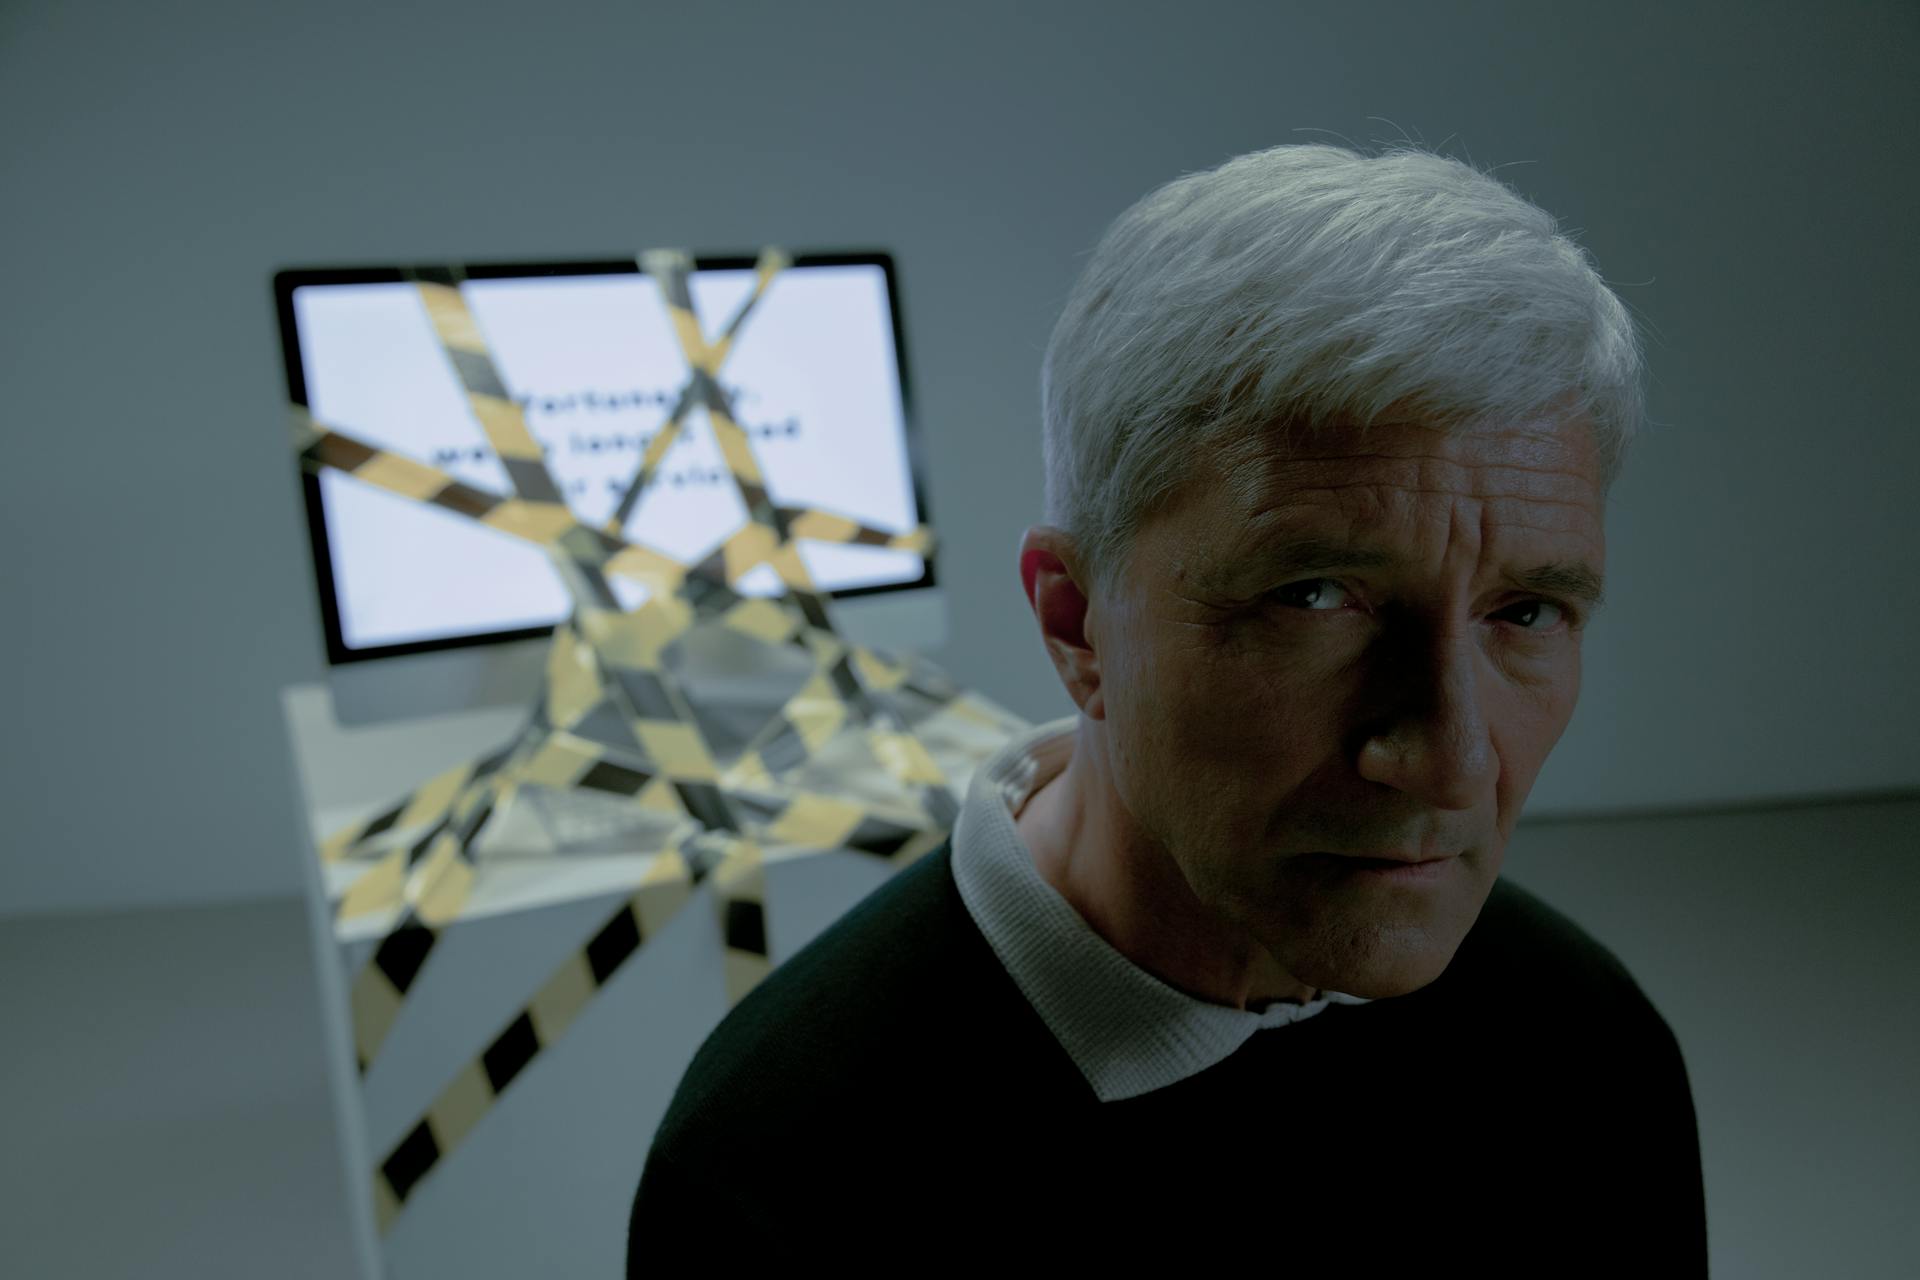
<point x="1411" y="455"/>
<point x="1453" y="493"/>
<point x="1540" y="454"/>
<point x="1276" y="475"/>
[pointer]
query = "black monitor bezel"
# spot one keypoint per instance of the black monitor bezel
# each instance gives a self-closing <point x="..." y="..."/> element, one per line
<point x="287" y="280"/>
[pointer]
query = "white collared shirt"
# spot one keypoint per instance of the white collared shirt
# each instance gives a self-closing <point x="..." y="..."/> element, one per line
<point x="1127" y="1031"/>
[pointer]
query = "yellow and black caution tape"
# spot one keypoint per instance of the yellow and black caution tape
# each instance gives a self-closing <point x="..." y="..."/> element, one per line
<point x="554" y="1008"/>
<point x="614" y="717"/>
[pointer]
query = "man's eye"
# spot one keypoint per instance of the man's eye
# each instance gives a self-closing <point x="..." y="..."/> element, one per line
<point x="1311" y="593"/>
<point x="1317" y="589"/>
<point x="1531" y="609"/>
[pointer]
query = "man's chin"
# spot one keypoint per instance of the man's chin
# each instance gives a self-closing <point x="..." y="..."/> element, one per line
<point x="1382" y="976"/>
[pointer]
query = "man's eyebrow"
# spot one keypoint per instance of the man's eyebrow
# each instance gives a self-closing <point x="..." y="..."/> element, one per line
<point x="1307" y="553"/>
<point x="1560" y="578"/>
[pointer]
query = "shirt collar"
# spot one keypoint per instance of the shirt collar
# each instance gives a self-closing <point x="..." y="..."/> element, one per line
<point x="1127" y="1031"/>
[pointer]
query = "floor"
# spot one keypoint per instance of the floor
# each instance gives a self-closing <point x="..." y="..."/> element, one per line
<point x="166" y="1098"/>
<point x="167" y="1110"/>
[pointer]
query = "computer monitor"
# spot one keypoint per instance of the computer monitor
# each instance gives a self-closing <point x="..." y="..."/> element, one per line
<point x="427" y="613"/>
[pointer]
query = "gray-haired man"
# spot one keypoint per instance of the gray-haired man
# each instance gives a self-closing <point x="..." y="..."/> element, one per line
<point x="1328" y="440"/>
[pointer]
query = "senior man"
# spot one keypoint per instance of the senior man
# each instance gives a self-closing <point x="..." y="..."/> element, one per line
<point x="1224" y="957"/>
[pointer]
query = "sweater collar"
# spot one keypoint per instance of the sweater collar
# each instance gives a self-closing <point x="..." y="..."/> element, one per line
<point x="1127" y="1031"/>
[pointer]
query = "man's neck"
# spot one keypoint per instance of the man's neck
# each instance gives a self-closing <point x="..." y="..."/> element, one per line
<point x="1085" y="845"/>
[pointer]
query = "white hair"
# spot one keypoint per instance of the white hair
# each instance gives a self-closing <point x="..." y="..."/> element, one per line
<point x="1305" y="288"/>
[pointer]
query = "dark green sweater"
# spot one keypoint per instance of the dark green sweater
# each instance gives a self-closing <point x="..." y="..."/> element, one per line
<point x="1528" y="1112"/>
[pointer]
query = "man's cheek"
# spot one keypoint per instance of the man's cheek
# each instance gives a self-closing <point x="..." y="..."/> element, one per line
<point x="1240" y="707"/>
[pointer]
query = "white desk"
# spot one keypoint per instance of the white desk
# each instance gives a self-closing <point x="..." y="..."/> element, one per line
<point x="560" y="1151"/>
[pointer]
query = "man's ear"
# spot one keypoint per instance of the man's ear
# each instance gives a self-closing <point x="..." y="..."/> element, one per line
<point x="1056" y="587"/>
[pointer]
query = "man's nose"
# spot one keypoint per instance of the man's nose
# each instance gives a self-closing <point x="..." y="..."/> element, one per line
<point x="1431" y="737"/>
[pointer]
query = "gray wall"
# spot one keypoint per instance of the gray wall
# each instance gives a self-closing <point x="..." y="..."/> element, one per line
<point x="1742" y="171"/>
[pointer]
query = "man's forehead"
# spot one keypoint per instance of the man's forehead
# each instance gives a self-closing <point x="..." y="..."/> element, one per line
<point x="1321" y="505"/>
<point x="1523" y="469"/>
<point x="1547" y="459"/>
